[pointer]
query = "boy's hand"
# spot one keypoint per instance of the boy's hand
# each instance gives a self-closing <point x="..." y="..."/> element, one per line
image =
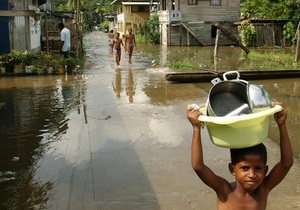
<point x="280" y="117"/>
<point x="192" y="115"/>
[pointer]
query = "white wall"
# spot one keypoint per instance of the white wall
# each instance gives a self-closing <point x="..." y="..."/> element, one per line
<point x="35" y="34"/>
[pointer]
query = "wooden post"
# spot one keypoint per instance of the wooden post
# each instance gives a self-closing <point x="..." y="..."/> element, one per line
<point x="180" y="39"/>
<point x="169" y="34"/>
<point x="298" y="43"/>
<point x="216" y="49"/>
<point x="217" y="43"/>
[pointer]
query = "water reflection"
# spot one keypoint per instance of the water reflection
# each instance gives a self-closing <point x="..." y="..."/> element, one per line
<point x="35" y="108"/>
<point x="129" y="86"/>
<point x="117" y="85"/>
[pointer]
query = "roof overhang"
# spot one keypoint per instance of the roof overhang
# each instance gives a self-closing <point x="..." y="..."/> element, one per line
<point x="130" y="3"/>
<point x="135" y="3"/>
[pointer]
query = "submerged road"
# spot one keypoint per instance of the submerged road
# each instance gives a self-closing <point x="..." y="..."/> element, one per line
<point x="128" y="144"/>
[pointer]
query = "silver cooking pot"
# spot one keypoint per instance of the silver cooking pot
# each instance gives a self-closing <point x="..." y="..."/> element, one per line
<point x="236" y="97"/>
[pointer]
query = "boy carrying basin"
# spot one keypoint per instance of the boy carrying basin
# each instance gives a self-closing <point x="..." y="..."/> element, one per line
<point x="248" y="165"/>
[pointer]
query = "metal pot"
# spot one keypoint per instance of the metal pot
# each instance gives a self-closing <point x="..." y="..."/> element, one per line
<point x="259" y="98"/>
<point x="235" y="97"/>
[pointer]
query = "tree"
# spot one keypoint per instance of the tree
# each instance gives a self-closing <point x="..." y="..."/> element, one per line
<point x="94" y="10"/>
<point x="272" y="9"/>
<point x="152" y="29"/>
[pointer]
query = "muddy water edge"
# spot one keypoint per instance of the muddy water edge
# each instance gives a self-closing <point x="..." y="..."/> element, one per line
<point x="118" y="138"/>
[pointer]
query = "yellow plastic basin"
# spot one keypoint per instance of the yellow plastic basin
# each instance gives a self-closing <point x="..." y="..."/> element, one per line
<point x="238" y="131"/>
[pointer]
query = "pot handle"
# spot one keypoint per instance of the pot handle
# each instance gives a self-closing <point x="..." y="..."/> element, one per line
<point x="231" y="72"/>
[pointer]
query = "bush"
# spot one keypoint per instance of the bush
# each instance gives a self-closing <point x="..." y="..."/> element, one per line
<point x="289" y="32"/>
<point x="247" y="33"/>
<point x="152" y="29"/>
<point x="105" y="25"/>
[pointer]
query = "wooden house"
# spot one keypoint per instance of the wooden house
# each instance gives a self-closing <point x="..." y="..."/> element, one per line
<point x="131" y="14"/>
<point x="20" y="25"/>
<point x="195" y="22"/>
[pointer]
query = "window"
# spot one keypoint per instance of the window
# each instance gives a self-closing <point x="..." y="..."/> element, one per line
<point x="140" y="8"/>
<point x="192" y="2"/>
<point x="215" y="2"/>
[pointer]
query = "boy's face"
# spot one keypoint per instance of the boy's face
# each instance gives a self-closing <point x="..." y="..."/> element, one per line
<point x="250" y="172"/>
<point x="117" y="36"/>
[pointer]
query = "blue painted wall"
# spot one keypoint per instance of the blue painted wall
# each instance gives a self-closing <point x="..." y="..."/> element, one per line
<point x="4" y="29"/>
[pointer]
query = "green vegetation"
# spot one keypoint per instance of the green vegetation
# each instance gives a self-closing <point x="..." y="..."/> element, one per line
<point x="152" y="29"/>
<point x="273" y="61"/>
<point x="185" y="63"/>
<point x="105" y="25"/>
<point x="289" y="32"/>
<point x="247" y="33"/>
<point x="139" y="37"/>
<point x="271" y="9"/>
<point x="94" y="11"/>
<point x="254" y="61"/>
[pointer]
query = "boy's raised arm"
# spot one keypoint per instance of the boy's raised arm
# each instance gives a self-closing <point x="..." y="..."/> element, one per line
<point x="286" y="155"/>
<point x="205" y="174"/>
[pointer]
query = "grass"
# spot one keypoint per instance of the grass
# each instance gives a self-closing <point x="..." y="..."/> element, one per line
<point x="139" y="37"/>
<point x="185" y="63"/>
<point x="273" y="61"/>
<point x="253" y="61"/>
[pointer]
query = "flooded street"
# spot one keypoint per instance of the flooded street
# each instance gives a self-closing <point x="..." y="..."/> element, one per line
<point x="119" y="138"/>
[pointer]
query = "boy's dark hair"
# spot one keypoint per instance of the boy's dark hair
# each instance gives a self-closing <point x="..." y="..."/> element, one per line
<point x="61" y="25"/>
<point x="238" y="154"/>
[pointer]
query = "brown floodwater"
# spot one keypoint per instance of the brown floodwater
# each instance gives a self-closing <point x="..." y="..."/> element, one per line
<point x="41" y="113"/>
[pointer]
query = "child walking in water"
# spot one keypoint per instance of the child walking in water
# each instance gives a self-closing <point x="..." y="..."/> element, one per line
<point x="116" y="45"/>
<point x="111" y="37"/>
<point x="252" y="184"/>
<point x="129" y="43"/>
